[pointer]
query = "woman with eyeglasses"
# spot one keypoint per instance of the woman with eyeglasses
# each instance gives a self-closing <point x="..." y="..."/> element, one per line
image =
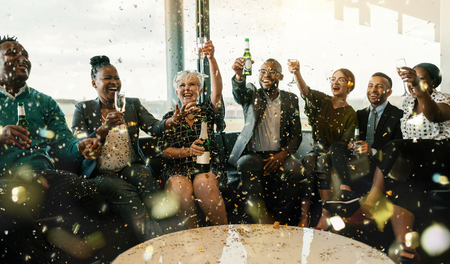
<point x="181" y="145"/>
<point x="332" y="121"/>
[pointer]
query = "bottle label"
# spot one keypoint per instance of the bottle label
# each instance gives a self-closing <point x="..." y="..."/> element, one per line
<point x="248" y="64"/>
<point x="203" y="159"/>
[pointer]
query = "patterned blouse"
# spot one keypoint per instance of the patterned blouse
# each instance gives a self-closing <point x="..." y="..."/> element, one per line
<point x="117" y="151"/>
<point x="418" y="126"/>
<point x="183" y="135"/>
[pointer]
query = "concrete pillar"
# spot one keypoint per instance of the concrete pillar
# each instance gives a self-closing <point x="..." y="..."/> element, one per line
<point x="174" y="45"/>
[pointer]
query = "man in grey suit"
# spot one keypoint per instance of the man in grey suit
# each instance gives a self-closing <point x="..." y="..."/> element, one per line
<point x="263" y="152"/>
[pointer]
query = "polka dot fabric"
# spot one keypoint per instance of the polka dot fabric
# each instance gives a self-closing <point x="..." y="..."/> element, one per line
<point x="418" y="126"/>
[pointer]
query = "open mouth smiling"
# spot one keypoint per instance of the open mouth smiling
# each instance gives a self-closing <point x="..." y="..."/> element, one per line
<point x="113" y="89"/>
<point x="188" y="95"/>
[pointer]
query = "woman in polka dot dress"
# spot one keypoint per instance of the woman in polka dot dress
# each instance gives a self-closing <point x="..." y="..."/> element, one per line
<point x="407" y="169"/>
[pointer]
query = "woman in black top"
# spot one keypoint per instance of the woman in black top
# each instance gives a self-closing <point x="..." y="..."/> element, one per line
<point x="180" y="146"/>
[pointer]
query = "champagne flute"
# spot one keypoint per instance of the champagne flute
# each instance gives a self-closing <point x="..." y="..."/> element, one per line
<point x="398" y="64"/>
<point x="119" y="101"/>
<point x="292" y="61"/>
<point x="200" y="45"/>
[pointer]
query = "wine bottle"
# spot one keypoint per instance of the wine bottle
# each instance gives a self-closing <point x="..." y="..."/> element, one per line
<point x="248" y="59"/>
<point x="22" y="117"/>
<point x="203" y="161"/>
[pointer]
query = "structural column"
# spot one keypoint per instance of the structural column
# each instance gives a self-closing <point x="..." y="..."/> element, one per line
<point x="174" y="45"/>
<point x="445" y="46"/>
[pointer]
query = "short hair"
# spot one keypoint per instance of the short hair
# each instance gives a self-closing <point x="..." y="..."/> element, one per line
<point x="8" y="38"/>
<point x="183" y="75"/>
<point x="98" y="62"/>
<point x="276" y="62"/>
<point x="349" y="75"/>
<point x="380" y="74"/>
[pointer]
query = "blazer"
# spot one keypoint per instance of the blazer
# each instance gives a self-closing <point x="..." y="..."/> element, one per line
<point x="388" y="127"/>
<point x="253" y="102"/>
<point x="87" y="118"/>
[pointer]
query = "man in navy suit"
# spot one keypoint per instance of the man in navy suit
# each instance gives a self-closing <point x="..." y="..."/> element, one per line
<point x="263" y="152"/>
<point x="379" y="123"/>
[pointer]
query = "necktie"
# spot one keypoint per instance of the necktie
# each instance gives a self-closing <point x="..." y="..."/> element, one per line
<point x="371" y="127"/>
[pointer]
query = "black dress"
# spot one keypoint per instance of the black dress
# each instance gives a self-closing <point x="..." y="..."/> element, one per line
<point x="183" y="135"/>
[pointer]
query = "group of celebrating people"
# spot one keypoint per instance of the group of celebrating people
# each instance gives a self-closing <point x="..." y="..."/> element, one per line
<point x="273" y="182"/>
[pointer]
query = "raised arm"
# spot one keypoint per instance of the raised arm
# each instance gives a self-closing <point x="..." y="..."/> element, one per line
<point x="294" y="67"/>
<point x="434" y="112"/>
<point x="216" y="77"/>
<point x="242" y="95"/>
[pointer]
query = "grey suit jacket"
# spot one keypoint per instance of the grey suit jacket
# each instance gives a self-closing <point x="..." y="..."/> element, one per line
<point x="254" y="104"/>
<point x="87" y="118"/>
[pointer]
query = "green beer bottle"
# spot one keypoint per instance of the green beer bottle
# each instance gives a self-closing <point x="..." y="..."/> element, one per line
<point x="248" y="59"/>
<point x="203" y="161"/>
<point x="22" y="117"/>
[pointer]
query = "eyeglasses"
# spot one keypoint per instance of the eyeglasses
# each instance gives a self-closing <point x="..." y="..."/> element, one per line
<point x="271" y="72"/>
<point x="340" y="80"/>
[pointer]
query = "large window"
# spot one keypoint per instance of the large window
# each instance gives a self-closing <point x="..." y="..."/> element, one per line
<point x="324" y="35"/>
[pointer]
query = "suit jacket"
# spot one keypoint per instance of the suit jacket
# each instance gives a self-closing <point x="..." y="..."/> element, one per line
<point x="254" y="104"/>
<point x="87" y="118"/>
<point x="388" y="127"/>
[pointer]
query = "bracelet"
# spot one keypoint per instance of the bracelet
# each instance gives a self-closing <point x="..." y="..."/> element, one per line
<point x="173" y="120"/>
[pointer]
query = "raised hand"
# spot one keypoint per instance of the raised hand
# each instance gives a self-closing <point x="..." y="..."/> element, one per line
<point x="409" y="76"/>
<point x="113" y="119"/>
<point x="293" y="65"/>
<point x="209" y="49"/>
<point x="190" y="108"/>
<point x="238" y="66"/>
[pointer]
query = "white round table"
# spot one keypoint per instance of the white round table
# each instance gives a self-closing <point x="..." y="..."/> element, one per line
<point x="239" y="244"/>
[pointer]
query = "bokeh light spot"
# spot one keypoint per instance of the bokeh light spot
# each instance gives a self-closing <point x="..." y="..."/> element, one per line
<point x="435" y="239"/>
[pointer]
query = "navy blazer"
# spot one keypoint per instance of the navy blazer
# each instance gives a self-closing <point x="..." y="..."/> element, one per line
<point x="254" y="103"/>
<point x="388" y="127"/>
<point x="87" y="118"/>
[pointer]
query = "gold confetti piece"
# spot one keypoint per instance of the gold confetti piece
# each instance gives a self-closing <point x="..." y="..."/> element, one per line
<point x="276" y="225"/>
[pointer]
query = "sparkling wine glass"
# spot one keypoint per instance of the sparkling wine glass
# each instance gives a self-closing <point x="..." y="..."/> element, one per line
<point x="200" y="45"/>
<point x="399" y="64"/>
<point x="120" y="102"/>
<point x="292" y="61"/>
